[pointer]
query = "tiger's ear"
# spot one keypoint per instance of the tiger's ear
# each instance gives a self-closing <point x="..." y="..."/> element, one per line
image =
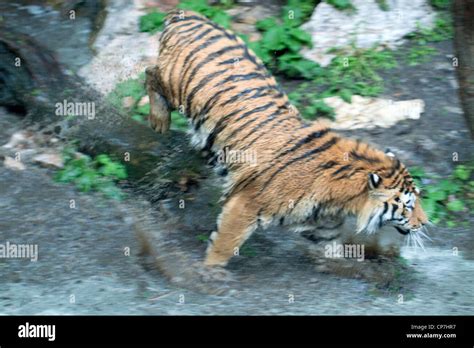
<point x="389" y="153"/>
<point x="374" y="181"/>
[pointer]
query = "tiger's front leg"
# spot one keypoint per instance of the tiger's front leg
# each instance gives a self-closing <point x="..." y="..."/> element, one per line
<point x="237" y="222"/>
<point x="160" y="116"/>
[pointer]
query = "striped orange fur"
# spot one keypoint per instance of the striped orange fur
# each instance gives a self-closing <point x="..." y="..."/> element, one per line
<point x="301" y="172"/>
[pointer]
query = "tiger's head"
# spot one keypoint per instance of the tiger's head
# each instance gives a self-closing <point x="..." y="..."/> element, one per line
<point x="393" y="199"/>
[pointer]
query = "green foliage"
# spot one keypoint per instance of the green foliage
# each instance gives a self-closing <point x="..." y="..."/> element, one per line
<point x="178" y="121"/>
<point x="444" y="199"/>
<point x="348" y="74"/>
<point x="202" y="238"/>
<point x="441" y="4"/>
<point x="383" y="5"/>
<point x="135" y="88"/>
<point x="310" y="105"/>
<point x="442" y="30"/>
<point x="282" y="40"/>
<point x="299" y="11"/>
<point x="420" y="54"/>
<point x="129" y="88"/>
<point x="355" y="73"/>
<point x="99" y="174"/>
<point x="152" y="22"/>
<point x="343" y="5"/>
<point x="214" y="13"/>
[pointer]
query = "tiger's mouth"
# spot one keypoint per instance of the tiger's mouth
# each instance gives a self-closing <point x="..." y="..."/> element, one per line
<point x="401" y="230"/>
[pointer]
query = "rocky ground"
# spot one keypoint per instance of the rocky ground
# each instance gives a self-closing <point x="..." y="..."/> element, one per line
<point x="84" y="266"/>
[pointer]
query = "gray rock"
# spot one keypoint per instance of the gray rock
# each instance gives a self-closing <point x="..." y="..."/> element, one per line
<point x="366" y="27"/>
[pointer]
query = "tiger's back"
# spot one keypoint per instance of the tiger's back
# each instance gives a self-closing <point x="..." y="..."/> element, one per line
<point x="211" y="76"/>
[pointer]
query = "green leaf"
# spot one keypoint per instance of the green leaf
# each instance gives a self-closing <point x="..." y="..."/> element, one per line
<point x="293" y="45"/>
<point x="261" y="52"/>
<point x="302" y="36"/>
<point x="438" y="195"/>
<point x="273" y="39"/>
<point x="138" y="118"/>
<point x="451" y="223"/>
<point x="202" y="238"/>
<point x="417" y="172"/>
<point x="462" y="172"/>
<point x="178" y="121"/>
<point x="103" y="159"/>
<point x="346" y="95"/>
<point x="221" y="18"/>
<point x="456" y="205"/>
<point x="152" y="22"/>
<point x="111" y="191"/>
<point x="144" y="109"/>
<point x="449" y="186"/>
<point x="341" y="4"/>
<point x="266" y="24"/>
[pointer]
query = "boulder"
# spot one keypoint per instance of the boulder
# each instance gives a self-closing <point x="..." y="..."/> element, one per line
<point x="367" y="26"/>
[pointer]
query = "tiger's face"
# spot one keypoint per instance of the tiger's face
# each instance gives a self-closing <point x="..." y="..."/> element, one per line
<point x="393" y="199"/>
<point x="404" y="211"/>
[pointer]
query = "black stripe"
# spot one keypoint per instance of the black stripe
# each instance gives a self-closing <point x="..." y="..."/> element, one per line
<point x="185" y="65"/>
<point x="395" y="167"/>
<point x="176" y="18"/>
<point x="262" y="108"/>
<point x="362" y="157"/>
<point x="349" y="175"/>
<point x="240" y="77"/>
<point x="209" y="58"/>
<point x="257" y="109"/>
<point x="327" y="165"/>
<point x="164" y="42"/>
<point x="342" y="169"/>
<point x="228" y="34"/>
<point x="251" y="56"/>
<point x="260" y="125"/>
<point x="176" y="57"/>
<point x="211" y="102"/>
<point x="307" y="155"/>
<point x="170" y="29"/>
<point x="199" y="86"/>
<point x="298" y="200"/>
<point x="242" y="93"/>
<point x="244" y="183"/>
<point x="220" y="125"/>
<point x="394" y="209"/>
<point x="230" y="61"/>
<point x="197" y="26"/>
<point x="316" y="211"/>
<point x="310" y="137"/>
<point x="397" y="182"/>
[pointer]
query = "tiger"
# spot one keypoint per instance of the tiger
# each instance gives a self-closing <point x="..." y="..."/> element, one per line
<point x="303" y="172"/>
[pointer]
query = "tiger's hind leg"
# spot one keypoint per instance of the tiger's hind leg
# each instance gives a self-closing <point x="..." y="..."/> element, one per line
<point x="237" y="222"/>
<point x="160" y="116"/>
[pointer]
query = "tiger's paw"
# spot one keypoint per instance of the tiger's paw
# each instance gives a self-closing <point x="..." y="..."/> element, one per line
<point x="214" y="273"/>
<point x="215" y="280"/>
<point x="158" y="124"/>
